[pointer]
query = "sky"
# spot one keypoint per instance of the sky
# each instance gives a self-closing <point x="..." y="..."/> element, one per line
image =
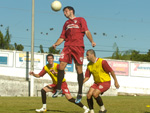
<point x="124" y="22"/>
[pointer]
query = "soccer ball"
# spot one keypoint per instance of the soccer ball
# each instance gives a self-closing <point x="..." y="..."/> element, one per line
<point x="56" y="5"/>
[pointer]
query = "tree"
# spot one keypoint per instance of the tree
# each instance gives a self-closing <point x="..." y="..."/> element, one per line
<point x="130" y="55"/>
<point x="54" y="51"/>
<point x="127" y="55"/>
<point x="41" y="49"/>
<point x="19" y="47"/>
<point x="148" y="52"/>
<point x="117" y="53"/>
<point x="148" y="55"/>
<point x="134" y="55"/>
<point x="5" y="42"/>
<point x="1" y="41"/>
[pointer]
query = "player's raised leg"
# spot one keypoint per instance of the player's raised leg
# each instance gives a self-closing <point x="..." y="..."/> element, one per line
<point x="60" y="77"/>
<point x="59" y="82"/>
<point x="80" y="81"/>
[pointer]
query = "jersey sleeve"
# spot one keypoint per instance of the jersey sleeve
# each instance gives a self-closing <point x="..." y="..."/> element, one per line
<point x="106" y="66"/>
<point x="87" y="73"/>
<point x="63" y="32"/>
<point x="83" y="25"/>
<point x="43" y="72"/>
<point x="57" y="66"/>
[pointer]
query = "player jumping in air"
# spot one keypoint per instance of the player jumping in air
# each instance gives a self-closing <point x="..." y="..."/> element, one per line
<point x="73" y="32"/>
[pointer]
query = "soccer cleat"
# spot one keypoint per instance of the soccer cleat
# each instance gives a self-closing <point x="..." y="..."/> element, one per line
<point x="41" y="110"/>
<point x="103" y="111"/>
<point x="86" y="110"/>
<point x="91" y="111"/>
<point x="57" y="93"/>
<point x="78" y="99"/>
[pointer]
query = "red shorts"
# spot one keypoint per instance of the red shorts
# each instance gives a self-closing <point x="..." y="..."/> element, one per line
<point x="103" y="86"/>
<point x="72" y="52"/>
<point x="64" y="88"/>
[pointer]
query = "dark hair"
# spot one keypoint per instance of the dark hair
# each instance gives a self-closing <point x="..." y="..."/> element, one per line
<point x="91" y="51"/>
<point x="70" y="8"/>
<point x="50" y="55"/>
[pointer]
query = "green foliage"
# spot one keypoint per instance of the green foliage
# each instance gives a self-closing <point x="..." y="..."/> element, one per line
<point x="5" y="42"/>
<point x="117" y="53"/>
<point x="130" y="55"/>
<point x="41" y="49"/>
<point x="7" y="39"/>
<point x="19" y="47"/>
<point x="50" y="50"/>
<point x="1" y="41"/>
<point x="54" y="51"/>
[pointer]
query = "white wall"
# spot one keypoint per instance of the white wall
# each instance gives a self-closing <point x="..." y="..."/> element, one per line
<point x="133" y="77"/>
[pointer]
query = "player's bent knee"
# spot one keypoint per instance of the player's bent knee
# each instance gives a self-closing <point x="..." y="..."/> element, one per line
<point x="95" y="95"/>
<point x="68" y="96"/>
<point x="62" y="65"/>
<point x="89" y="95"/>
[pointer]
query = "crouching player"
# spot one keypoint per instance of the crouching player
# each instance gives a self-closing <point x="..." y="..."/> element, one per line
<point x="52" y="69"/>
<point x="100" y="70"/>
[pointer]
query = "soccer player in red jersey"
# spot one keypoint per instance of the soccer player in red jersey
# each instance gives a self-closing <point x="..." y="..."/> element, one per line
<point x="100" y="70"/>
<point x="73" y="32"/>
<point x="52" y="69"/>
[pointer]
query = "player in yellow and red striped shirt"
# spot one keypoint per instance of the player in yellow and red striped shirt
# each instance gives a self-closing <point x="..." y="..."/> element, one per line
<point x="52" y="69"/>
<point x="100" y="70"/>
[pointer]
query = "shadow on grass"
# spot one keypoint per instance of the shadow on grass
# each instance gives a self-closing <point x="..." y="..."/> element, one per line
<point x="146" y="112"/>
<point x="47" y="110"/>
<point x="55" y="111"/>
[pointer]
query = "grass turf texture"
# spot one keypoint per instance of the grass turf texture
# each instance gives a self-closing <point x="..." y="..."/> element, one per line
<point x="119" y="104"/>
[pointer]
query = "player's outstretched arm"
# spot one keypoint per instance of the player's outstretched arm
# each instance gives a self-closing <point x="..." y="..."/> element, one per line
<point x="85" y="79"/>
<point x="58" y="42"/>
<point x="33" y="74"/>
<point x="89" y="36"/>
<point x="115" y="79"/>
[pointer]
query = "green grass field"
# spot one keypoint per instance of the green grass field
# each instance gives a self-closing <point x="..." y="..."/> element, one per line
<point x="119" y="104"/>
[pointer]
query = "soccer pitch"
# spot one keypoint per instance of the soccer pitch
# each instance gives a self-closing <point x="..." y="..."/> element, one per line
<point x="118" y="104"/>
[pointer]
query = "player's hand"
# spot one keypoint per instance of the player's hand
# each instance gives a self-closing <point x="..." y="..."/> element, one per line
<point x="93" y="44"/>
<point x="31" y="73"/>
<point x="53" y="71"/>
<point x="54" y="46"/>
<point x="117" y="85"/>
